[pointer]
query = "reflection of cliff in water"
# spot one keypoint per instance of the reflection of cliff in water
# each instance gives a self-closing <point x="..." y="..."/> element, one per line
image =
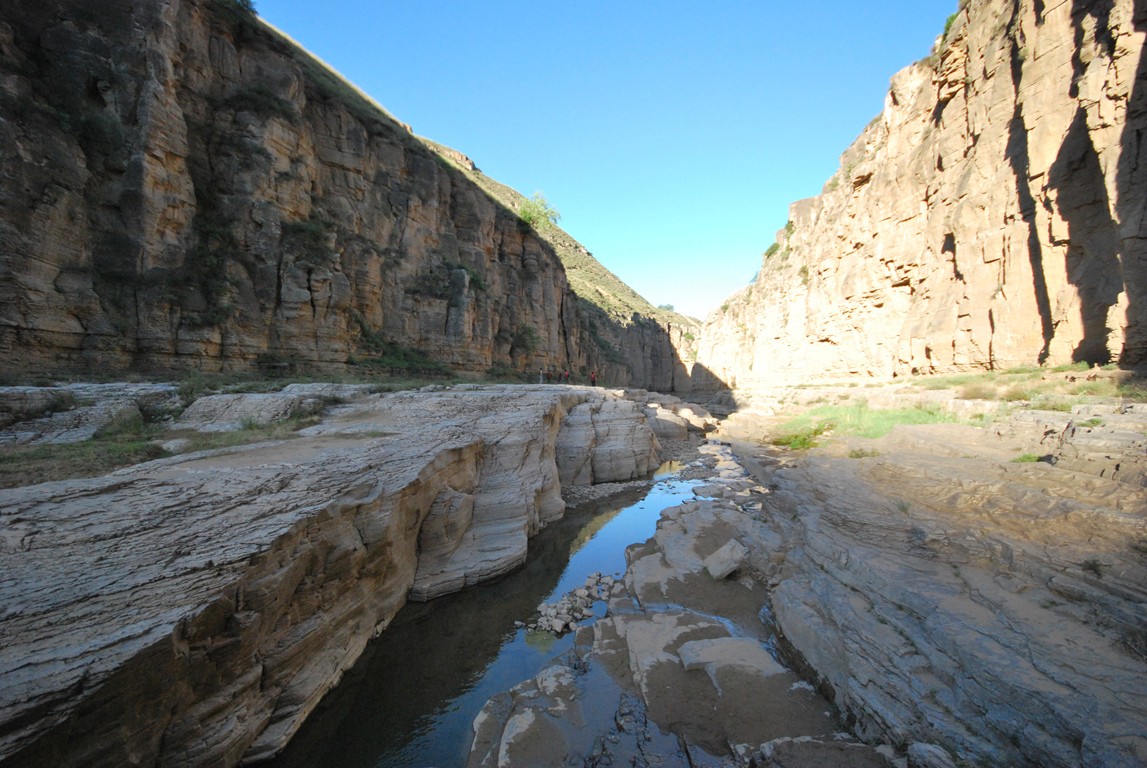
<point x="413" y="694"/>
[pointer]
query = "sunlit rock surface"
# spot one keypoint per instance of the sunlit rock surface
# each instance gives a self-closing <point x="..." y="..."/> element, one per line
<point x="193" y="610"/>
<point x="992" y="215"/>
<point x="185" y="189"/>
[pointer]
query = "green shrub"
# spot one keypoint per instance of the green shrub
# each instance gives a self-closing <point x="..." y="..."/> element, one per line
<point x="537" y="212"/>
<point x="313" y="230"/>
<point x="1026" y="458"/>
<point x="802" y="438"/>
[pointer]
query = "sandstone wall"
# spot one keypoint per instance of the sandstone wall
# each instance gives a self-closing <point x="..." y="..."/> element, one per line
<point x="990" y="216"/>
<point x="185" y="189"/>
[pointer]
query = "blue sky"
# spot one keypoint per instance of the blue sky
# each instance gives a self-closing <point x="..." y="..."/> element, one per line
<point x="671" y="136"/>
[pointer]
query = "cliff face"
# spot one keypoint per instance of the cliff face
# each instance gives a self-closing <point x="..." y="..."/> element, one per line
<point x="991" y="216"/>
<point x="184" y="188"/>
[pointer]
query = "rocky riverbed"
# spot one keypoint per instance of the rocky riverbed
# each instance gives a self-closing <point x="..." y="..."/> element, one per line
<point x="945" y="594"/>
<point x="194" y="609"/>
<point x="952" y="605"/>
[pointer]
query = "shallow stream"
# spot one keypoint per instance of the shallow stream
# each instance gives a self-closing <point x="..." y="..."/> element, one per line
<point x="411" y="698"/>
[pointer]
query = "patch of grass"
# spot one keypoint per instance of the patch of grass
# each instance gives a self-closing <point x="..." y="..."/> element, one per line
<point x="976" y="390"/>
<point x="1026" y="458"/>
<point x="29" y="465"/>
<point x="801" y="439"/>
<point x="1014" y="393"/>
<point x="1095" y="421"/>
<point x="251" y="432"/>
<point x="1052" y="403"/>
<point x="1135" y="391"/>
<point x="1092" y="565"/>
<point x="857" y="419"/>
<point x="124" y="442"/>
<point x="395" y="357"/>
<point x="862" y="453"/>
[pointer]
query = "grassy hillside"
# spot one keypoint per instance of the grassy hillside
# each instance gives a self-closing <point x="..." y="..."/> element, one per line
<point x="592" y="282"/>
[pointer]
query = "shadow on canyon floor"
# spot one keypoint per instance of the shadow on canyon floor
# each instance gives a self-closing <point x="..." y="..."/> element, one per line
<point x="426" y="665"/>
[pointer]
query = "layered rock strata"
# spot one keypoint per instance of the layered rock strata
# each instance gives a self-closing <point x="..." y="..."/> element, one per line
<point x="945" y="593"/>
<point x="185" y="188"/>
<point x="193" y="610"/>
<point x="991" y="216"/>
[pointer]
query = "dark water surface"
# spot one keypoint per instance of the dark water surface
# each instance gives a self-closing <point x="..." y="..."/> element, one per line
<point x="410" y="700"/>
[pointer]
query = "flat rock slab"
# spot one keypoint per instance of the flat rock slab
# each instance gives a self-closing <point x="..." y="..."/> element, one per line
<point x="740" y="652"/>
<point x="951" y="595"/>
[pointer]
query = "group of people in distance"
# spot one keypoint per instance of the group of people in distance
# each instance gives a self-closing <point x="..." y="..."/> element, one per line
<point x="562" y="377"/>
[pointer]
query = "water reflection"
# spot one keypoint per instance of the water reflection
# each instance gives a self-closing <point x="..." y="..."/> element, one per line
<point x="411" y="698"/>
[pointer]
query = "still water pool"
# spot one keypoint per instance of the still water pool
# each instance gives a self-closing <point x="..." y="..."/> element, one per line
<point x="412" y="696"/>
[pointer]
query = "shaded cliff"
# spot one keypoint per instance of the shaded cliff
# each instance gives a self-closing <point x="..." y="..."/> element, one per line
<point x="630" y="338"/>
<point x="991" y="216"/>
<point x="185" y="188"/>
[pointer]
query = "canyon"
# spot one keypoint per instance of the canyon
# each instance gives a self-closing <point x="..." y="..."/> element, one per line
<point x="185" y="191"/>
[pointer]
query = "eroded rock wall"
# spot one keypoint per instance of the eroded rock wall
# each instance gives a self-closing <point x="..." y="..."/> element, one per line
<point x="186" y="189"/>
<point x="194" y="610"/>
<point x="991" y="216"/>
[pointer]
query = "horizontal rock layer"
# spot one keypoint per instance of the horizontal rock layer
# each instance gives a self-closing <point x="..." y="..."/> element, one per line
<point x="991" y="216"/>
<point x="193" y="610"/>
<point x="947" y="594"/>
<point x="184" y="188"/>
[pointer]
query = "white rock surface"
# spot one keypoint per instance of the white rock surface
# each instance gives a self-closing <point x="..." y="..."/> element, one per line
<point x="726" y="559"/>
<point x="194" y="610"/>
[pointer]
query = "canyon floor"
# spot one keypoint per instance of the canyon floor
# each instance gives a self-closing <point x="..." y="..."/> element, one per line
<point x="965" y="593"/>
<point x="971" y="592"/>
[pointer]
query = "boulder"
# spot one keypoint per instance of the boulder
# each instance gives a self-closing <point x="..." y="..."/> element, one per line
<point x="727" y="559"/>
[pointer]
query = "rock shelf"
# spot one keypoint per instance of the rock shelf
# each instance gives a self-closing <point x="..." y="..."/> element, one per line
<point x="193" y="610"/>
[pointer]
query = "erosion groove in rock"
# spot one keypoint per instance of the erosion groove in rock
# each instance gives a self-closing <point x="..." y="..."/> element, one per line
<point x="991" y="216"/>
<point x="186" y="189"/>
<point x="193" y="610"/>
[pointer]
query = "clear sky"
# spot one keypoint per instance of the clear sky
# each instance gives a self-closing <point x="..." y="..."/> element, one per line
<point x="670" y="135"/>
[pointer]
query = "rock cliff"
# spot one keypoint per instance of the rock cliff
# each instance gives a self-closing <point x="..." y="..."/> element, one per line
<point x="185" y="188"/>
<point x="193" y="610"/>
<point x="991" y="216"/>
